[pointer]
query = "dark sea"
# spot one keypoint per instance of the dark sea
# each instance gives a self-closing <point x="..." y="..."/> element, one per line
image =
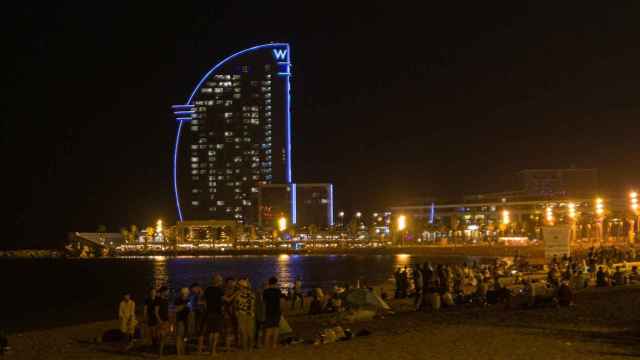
<point x="45" y="293"/>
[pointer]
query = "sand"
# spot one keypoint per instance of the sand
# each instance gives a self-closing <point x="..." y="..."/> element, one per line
<point x="602" y="325"/>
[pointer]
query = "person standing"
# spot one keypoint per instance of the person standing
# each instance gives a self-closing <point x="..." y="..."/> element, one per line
<point x="245" y="302"/>
<point x="182" y="319"/>
<point x="418" y="284"/>
<point x="230" y="319"/>
<point x="150" y="319"/>
<point x="127" y="316"/>
<point x="196" y="304"/>
<point x="297" y="294"/>
<point x="213" y="320"/>
<point x="162" y="316"/>
<point x="271" y="298"/>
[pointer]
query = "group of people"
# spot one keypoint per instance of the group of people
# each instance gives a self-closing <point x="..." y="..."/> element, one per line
<point x="448" y="284"/>
<point x="228" y="311"/>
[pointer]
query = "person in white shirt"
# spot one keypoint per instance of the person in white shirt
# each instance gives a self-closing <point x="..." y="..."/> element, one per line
<point x="127" y="316"/>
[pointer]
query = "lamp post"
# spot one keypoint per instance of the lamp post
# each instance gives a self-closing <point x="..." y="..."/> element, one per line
<point x="599" y="210"/>
<point x="571" y="213"/>
<point x="633" y="204"/>
<point x="402" y="224"/>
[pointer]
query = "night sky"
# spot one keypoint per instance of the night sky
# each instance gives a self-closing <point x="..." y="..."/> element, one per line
<point x="391" y="101"/>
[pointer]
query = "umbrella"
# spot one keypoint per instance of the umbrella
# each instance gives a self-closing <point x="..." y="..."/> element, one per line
<point x="364" y="297"/>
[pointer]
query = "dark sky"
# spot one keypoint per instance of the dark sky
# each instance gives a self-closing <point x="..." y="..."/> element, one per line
<point x="390" y="100"/>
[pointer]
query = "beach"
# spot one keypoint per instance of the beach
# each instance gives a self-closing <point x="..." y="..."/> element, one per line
<point x="601" y="325"/>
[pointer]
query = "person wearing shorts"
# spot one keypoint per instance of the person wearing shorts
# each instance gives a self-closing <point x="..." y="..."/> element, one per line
<point x="213" y="318"/>
<point x="271" y="298"/>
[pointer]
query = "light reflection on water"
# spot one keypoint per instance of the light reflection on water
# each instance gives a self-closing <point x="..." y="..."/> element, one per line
<point x="92" y="288"/>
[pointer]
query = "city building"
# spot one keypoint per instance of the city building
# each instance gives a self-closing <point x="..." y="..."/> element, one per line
<point x="234" y="136"/>
<point x="274" y="201"/>
<point x="314" y="204"/>
<point x="559" y="182"/>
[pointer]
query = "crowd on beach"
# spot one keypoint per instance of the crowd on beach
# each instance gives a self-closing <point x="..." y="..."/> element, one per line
<point x="448" y="285"/>
<point x="228" y="314"/>
<point x="228" y="311"/>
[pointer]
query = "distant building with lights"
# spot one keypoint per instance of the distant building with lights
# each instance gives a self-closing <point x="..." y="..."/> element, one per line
<point x="234" y="135"/>
<point x="314" y="204"/>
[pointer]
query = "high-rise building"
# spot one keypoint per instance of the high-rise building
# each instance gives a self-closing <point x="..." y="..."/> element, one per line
<point x="314" y="204"/>
<point x="234" y="135"/>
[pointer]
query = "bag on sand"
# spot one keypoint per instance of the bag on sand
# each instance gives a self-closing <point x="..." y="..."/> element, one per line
<point x="284" y="326"/>
<point x="435" y="301"/>
<point x="113" y="335"/>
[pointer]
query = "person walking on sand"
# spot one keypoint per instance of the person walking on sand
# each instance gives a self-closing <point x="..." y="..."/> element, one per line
<point x="149" y="317"/>
<point x="127" y="316"/>
<point x="245" y="302"/>
<point x="213" y="320"/>
<point x="297" y="294"/>
<point x="182" y="319"/>
<point x="162" y="315"/>
<point x="271" y="298"/>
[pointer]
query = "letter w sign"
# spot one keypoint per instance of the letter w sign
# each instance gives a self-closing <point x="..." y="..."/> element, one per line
<point x="280" y="54"/>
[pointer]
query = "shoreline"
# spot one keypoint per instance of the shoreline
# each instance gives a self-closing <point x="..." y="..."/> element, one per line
<point x="601" y="325"/>
<point x="430" y="250"/>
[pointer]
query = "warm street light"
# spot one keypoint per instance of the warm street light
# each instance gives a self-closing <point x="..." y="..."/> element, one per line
<point x="572" y="210"/>
<point x="341" y="214"/>
<point x="159" y="227"/>
<point x="633" y="201"/>
<point x="402" y="222"/>
<point x="358" y="214"/>
<point x="282" y="223"/>
<point x="549" y="215"/>
<point x="599" y="206"/>
<point x="505" y="217"/>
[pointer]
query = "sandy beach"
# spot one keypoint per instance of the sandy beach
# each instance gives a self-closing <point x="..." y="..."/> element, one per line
<point x="602" y="325"/>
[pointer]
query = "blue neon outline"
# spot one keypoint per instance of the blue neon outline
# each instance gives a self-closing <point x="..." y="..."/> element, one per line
<point x="294" y="210"/>
<point x="432" y="213"/>
<point x="184" y="112"/>
<point x="330" y="210"/>
<point x="175" y="175"/>
<point x="182" y="106"/>
<point x="288" y="174"/>
<point x="184" y="119"/>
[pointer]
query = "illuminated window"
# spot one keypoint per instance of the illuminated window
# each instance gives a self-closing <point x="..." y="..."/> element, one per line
<point x="237" y="96"/>
<point x="220" y="202"/>
<point x="228" y="115"/>
<point x="194" y="159"/>
<point x="206" y="90"/>
<point x="228" y="133"/>
<point x="195" y="203"/>
<point x="254" y="190"/>
<point x="217" y="90"/>
<point x="194" y="128"/>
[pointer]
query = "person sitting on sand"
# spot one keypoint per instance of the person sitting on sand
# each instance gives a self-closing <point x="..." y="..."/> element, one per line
<point x="317" y="302"/>
<point x="565" y="294"/>
<point x="618" y="277"/>
<point x="601" y="277"/>
<point x="297" y="294"/>
<point x="127" y="316"/>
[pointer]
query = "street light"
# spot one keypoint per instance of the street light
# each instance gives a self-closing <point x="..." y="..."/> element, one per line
<point x="358" y="214"/>
<point x="599" y="206"/>
<point x="402" y="222"/>
<point x="506" y="219"/>
<point x="633" y="200"/>
<point x="572" y="211"/>
<point x="159" y="227"/>
<point x="549" y="214"/>
<point x="282" y="223"/>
